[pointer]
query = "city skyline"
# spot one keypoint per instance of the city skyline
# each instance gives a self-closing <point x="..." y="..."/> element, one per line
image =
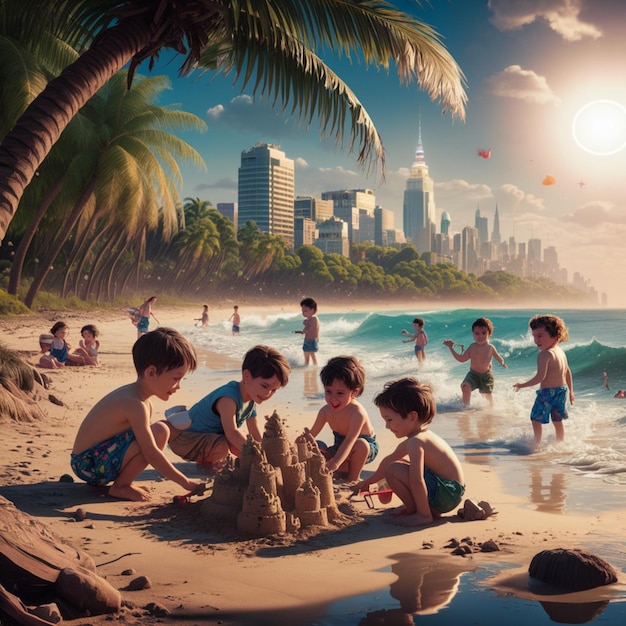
<point x="533" y="71"/>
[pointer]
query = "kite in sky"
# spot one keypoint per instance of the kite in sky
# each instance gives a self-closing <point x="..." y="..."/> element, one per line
<point x="548" y="180"/>
<point x="485" y="154"/>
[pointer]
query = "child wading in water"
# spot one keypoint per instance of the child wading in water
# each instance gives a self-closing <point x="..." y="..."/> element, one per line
<point x="479" y="354"/>
<point x="423" y="471"/>
<point x="553" y="375"/>
<point x="419" y="336"/>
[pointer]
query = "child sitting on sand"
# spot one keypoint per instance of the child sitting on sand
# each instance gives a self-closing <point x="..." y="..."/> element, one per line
<point x="89" y="345"/>
<point x="479" y="354"/>
<point x="58" y="353"/>
<point x="553" y="375"/>
<point x="355" y="443"/>
<point x="216" y="420"/>
<point x="117" y="441"/>
<point x="423" y="471"/>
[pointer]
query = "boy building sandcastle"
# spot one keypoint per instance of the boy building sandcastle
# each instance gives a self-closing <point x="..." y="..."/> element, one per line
<point x="355" y="443"/>
<point x="553" y="375"/>
<point x="479" y="354"/>
<point x="117" y="441"/>
<point x="423" y="471"/>
<point x="217" y="419"/>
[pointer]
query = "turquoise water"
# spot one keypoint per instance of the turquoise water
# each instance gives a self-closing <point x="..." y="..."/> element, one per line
<point x="595" y="446"/>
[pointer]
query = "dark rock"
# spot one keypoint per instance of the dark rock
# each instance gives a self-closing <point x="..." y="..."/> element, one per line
<point x="129" y="572"/>
<point x="139" y="583"/>
<point x="55" y="400"/>
<point x="462" y="550"/>
<point x="66" y="478"/>
<point x="157" y="610"/>
<point x="571" y="569"/>
<point x="490" y="546"/>
<point x="80" y="515"/>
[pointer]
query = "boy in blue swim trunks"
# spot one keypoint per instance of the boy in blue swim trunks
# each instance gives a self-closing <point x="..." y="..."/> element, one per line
<point x="423" y="471"/>
<point x="479" y="354"/>
<point x="117" y="441"/>
<point x="355" y="443"/>
<point x="311" y="330"/>
<point x="553" y="375"/>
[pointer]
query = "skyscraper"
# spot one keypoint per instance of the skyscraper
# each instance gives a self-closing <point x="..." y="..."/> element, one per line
<point x="481" y="224"/>
<point x="495" y="235"/>
<point x="418" y="211"/>
<point x="266" y="190"/>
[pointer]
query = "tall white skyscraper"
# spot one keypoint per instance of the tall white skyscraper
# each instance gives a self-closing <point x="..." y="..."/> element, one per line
<point x="266" y="190"/>
<point x="418" y="210"/>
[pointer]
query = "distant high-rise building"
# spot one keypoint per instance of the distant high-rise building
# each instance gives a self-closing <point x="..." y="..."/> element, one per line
<point x="347" y="206"/>
<point x="495" y="235"/>
<point x="481" y="224"/>
<point x="333" y="237"/>
<point x="304" y="232"/>
<point x="266" y="190"/>
<point x="445" y="223"/>
<point x="314" y="208"/>
<point x="418" y="211"/>
<point x="384" y="222"/>
<point x="229" y="210"/>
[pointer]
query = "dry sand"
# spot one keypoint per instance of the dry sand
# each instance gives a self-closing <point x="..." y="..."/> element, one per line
<point x="204" y="573"/>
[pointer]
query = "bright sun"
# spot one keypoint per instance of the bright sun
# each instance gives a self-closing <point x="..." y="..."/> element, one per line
<point x="600" y="127"/>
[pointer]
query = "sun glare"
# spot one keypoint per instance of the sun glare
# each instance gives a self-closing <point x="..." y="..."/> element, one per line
<point x="599" y="127"/>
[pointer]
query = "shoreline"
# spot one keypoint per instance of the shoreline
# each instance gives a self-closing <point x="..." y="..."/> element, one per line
<point x="261" y="575"/>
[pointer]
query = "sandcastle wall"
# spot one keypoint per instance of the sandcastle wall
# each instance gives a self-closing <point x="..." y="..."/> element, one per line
<point x="275" y="487"/>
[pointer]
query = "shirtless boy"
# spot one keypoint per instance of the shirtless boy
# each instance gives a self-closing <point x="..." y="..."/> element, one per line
<point x="553" y="375"/>
<point x="117" y="441"/>
<point x="355" y="443"/>
<point x="423" y="471"/>
<point x="311" y="330"/>
<point x="420" y="338"/>
<point x="479" y="354"/>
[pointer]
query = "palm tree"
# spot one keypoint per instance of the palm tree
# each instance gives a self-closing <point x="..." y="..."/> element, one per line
<point x="272" y="44"/>
<point x="131" y="172"/>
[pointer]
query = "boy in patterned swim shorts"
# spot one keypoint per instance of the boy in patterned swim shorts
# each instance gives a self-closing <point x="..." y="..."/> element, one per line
<point x="117" y="441"/>
<point x="479" y="354"/>
<point x="553" y="375"/>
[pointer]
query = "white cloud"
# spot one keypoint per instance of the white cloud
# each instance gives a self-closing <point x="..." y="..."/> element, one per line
<point x="300" y="162"/>
<point x="562" y="16"/>
<point x="597" y="215"/>
<point x="515" y="82"/>
<point x="216" y="111"/>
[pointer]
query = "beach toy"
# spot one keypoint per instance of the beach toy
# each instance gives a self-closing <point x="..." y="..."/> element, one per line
<point x="178" y="416"/>
<point x="384" y="496"/>
<point x="182" y="501"/>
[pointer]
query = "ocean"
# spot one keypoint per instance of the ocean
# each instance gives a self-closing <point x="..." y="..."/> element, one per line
<point x="585" y="471"/>
<point x="594" y="446"/>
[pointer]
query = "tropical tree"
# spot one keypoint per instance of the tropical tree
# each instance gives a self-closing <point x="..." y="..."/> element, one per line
<point x="274" y="45"/>
<point x="130" y="173"/>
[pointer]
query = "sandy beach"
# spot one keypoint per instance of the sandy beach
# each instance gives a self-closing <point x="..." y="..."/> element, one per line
<point x="202" y="573"/>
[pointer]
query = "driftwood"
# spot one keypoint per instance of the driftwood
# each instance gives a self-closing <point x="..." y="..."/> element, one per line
<point x="44" y="579"/>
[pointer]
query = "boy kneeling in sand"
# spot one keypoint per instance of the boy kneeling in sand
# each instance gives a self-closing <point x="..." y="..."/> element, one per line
<point x="216" y="420"/>
<point x="430" y="482"/>
<point x="117" y="440"/>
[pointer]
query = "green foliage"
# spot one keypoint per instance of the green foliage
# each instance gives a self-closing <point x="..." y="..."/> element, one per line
<point x="10" y="305"/>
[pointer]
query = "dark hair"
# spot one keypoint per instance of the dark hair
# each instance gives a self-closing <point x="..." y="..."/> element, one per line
<point x="348" y="370"/>
<point x="166" y="349"/>
<point x="90" y="328"/>
<point x="310" y="303"/>
<point x="555" y="326"/>
<point x="483" y="322"/>
<point x="419" y="321"/>
<point x="408" y="394"/>
<point x="265" y="362"/>
<point x="57" y="326"/>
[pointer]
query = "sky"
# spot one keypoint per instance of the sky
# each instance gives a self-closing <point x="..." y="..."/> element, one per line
<point x="546" y="85"/>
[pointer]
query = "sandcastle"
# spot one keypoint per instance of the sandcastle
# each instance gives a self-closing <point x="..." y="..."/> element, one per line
<point x="275" y="487"/>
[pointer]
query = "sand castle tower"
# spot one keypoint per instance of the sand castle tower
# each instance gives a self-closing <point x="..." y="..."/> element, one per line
<point x="276" y="487"/>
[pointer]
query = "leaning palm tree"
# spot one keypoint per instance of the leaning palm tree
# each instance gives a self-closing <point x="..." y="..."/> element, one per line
<point x="271" y="44"/>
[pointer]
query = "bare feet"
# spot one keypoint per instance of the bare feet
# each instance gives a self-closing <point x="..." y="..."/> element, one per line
<point x="129" y="492"/>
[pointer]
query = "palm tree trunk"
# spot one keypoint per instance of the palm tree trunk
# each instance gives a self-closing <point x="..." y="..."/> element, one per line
<point x="22" y="248"/>
<point x="24" y="148"/>
<point x="53" y="251"/>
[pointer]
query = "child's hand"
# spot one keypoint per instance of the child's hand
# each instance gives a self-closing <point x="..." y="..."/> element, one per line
<point x="404" y="332"/>
<point x="517" y="386"/>
<point x="505" y="366"/>
<point x="448" y="342"/>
